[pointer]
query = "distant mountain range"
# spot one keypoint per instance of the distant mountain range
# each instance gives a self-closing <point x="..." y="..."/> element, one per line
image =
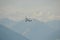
<point x="7" y="34"/>
<point x="37" y="30"/>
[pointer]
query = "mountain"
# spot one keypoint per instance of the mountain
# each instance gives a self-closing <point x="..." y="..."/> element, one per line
<point x="7" y="34"/>
<point x="21" y="26"/>
<point x="36" y="30"/>
<point x="54" y="24"/>
<point x="7" y="22"/>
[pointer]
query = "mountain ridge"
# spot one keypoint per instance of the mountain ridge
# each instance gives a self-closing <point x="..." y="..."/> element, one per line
<point x="7" y="34"/>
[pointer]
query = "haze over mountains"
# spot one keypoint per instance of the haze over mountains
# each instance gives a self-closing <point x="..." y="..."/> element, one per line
<point x="37" y="30"/>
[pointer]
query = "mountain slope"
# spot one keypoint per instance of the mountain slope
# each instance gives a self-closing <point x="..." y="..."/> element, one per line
<point x="7" y="22"/>
<point x="21" y="26"/>
<point x="54" y="24"/>
<point x="36" y="30"/>
<point x="6" y="34"/>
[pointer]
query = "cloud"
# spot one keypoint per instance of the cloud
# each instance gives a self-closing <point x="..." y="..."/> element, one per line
<point x="11" y="12"/>
<point x="17" y="10"/>
<point x="17" y="14"/>
<point x="45" y="16"/>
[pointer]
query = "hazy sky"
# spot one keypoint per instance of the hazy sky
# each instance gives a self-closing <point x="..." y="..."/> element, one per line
<point x="38" y="9"/>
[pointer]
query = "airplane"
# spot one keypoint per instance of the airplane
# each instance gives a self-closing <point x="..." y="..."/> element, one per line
<point x="28" y="19"/>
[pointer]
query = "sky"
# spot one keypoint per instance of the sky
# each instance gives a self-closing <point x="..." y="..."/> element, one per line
<point x="43" y="10"/>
